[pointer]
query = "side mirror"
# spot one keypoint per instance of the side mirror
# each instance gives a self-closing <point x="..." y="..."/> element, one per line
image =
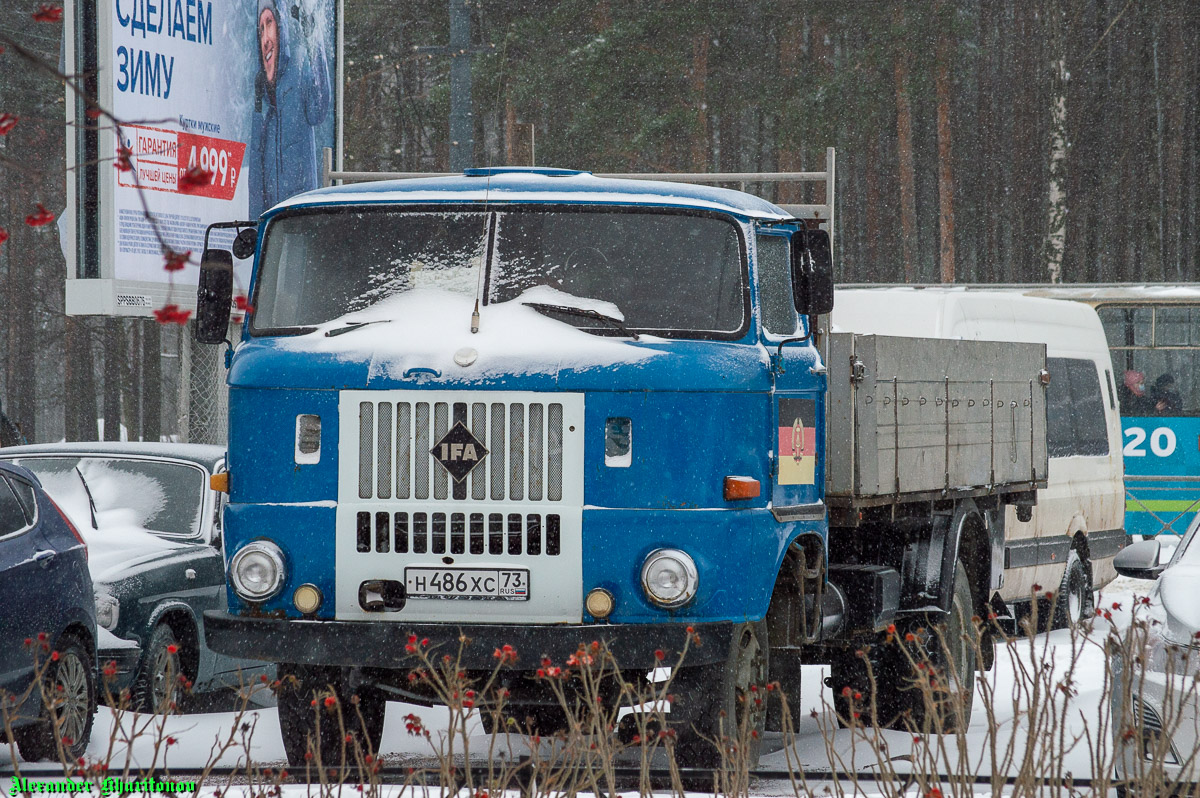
<point x="1139" y="560"/>
<point x="213" y="296"/>
<point x="245" y="243"/>
<point x="812" y="272"/>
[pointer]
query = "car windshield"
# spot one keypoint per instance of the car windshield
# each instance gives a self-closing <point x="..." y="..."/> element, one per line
<point x="165" y="498"/>
<point x="1189" y="549"/>
<point x="662" y="272"/>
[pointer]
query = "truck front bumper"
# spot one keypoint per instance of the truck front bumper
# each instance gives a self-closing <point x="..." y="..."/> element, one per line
<point x="382" y="644"/>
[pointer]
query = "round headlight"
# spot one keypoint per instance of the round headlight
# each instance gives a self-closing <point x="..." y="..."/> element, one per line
<point x="669" y="578"/>
<point x="108" y="611"/>
<point x="256" y="571"/>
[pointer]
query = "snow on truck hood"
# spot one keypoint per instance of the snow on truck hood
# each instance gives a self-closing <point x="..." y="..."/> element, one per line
<point x="428" y="329"/>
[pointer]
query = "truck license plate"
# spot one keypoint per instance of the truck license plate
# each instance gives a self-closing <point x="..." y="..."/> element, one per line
<point x="501" y="584"/>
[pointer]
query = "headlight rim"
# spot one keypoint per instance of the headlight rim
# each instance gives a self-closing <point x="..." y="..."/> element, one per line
<point x="104" y="598"/>
<point x="273" y="553"/>
<point x="692" y="584"/>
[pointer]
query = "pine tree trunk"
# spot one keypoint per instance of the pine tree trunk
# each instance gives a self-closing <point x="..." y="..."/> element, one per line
<point x="945" y="159"/>
<point x="112" y="379"/>
<point x="904" y="152"/>
<point x="1056" y="227"/>
<point x="699" y="91"/>
<point x="151" y="381"/>
<point x="790" y="160"/>
<point x="79" y="382"/>
<point x="1173" y="145"/>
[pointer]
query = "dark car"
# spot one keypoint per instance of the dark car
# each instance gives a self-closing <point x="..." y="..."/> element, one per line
<point x="153" y="525"/>
<point x="48" y="621"/>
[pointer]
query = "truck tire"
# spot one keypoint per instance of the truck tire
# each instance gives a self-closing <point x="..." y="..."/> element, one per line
<point x="898" y="702"/>
<point x="303" y="698"/>
<point x="953" y="656"/>
<point x="713" y="702"/>
<point x="72" y="679"/>
<point x="1074" y="600"/>
<point x="529" y="719"/>
<point x="160" y="667"/>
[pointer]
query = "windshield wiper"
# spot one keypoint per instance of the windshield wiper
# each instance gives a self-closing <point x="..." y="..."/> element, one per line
<point x="583" y="313"/>
<point x="351" y="327"/>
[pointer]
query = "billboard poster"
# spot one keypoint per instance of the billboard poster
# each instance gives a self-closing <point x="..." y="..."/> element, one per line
<point x="225" y="104"/>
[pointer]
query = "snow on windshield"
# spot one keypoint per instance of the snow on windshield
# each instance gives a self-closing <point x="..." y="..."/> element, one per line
<point x="123" y="497"/>
<point x="665" y="271"/>
<point x="160" y="497"/>
<point x="426" y="327"/>
<point x="66" y="488"/>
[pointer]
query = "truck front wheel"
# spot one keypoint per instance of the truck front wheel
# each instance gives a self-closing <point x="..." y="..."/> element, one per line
<point x="719" y="711"/>
<point x="317" y="710"/>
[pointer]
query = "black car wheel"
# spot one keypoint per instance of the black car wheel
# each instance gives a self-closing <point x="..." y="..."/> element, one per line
<point x="1074" y="600"/>
<point x="157" y="684"/>
<point x="69" y="697"/>
<point x="310" y="722"/>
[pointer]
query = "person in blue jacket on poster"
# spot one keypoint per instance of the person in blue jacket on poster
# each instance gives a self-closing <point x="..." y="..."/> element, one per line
<point x="291" y="98"/>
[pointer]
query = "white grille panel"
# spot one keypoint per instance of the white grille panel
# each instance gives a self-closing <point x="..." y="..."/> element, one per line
<point x="521" y="507"/>
<point x="524" y="439"/>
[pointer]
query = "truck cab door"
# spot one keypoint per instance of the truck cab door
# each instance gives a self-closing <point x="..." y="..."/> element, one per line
<point x="797" y="419"/>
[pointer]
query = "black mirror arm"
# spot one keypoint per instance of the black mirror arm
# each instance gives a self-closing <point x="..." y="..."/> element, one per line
<point x="225" y="226"/>
<point x="777" y="363"/>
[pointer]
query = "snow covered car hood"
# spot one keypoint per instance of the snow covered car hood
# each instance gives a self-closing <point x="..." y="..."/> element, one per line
<point x="117" y="553"/>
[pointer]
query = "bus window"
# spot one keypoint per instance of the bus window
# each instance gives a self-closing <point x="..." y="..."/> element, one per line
<point x="1156" y="353"/>
<point x="1127" y="326"/>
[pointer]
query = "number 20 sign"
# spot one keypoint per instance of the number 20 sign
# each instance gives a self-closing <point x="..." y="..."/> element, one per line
<point x="1162" y="442"/>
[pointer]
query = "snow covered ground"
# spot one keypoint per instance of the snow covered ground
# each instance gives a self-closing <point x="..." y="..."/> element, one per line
<point x="819" y="745"/>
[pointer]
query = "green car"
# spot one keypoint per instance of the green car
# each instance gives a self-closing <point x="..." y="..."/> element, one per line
<point x="153" y="528"/>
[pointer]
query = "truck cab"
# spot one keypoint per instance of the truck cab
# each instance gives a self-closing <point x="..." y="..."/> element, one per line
<point x="499" y="416"/>
<point x="531" y="407"/>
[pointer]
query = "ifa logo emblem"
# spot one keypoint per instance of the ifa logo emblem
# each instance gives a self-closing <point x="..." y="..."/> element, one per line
<point x="459" y="452"/>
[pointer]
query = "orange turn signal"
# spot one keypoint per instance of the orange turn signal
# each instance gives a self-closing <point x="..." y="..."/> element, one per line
<point x="739" y="488"/>
<point x="221" y="482"/>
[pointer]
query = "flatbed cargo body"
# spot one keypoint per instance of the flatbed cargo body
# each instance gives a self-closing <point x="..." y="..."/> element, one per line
<point x="925" y="418"/>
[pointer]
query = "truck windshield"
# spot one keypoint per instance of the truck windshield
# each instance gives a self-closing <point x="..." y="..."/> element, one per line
<point x="664" y="272"/>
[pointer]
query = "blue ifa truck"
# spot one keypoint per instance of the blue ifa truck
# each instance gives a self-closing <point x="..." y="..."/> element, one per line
<point x="540" y="408"/>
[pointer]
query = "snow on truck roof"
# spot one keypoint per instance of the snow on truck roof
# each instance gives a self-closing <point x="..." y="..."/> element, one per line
<point x="533" y="185"/>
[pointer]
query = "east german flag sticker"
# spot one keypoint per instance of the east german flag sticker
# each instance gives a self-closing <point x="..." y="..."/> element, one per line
<point x="797" y="442"/>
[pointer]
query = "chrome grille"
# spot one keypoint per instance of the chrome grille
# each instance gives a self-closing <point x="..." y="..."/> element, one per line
<point x="1150" y="720"/>
<point x="524" y="441"/>
<point x="514" y="534"/>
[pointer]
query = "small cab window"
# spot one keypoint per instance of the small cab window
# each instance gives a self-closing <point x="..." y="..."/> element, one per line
<point x="1075" y="422"/>
<point x="12" y="514"/>
<point x="775" y="299"/>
